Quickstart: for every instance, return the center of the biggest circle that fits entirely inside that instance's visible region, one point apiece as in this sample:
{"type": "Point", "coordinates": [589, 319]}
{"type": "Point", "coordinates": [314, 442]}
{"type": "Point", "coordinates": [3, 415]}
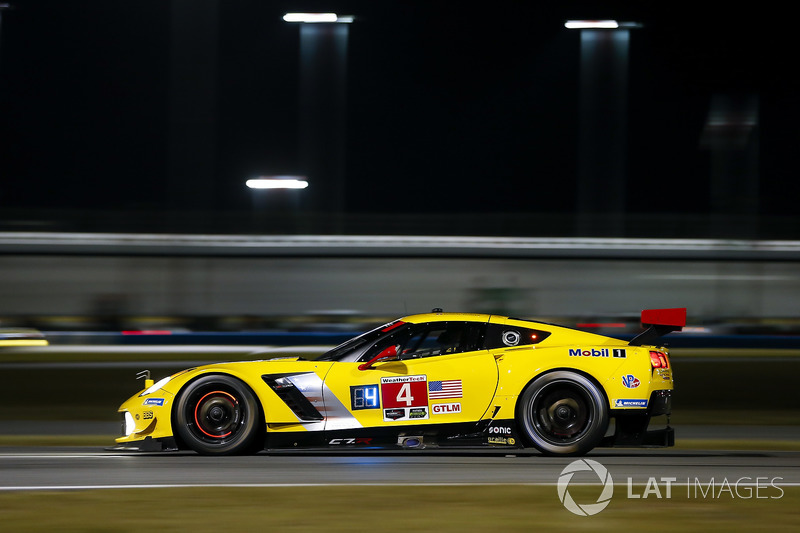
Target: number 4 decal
{"type": "Point", "coordinates": [405, 395]}
{"type": "Point", "coordinates": [404, 391]}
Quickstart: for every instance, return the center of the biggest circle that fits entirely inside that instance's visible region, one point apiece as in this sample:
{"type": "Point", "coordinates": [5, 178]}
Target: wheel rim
{"type": "Point", "coordinates": [217, 416]}
{"type": "Point", "coordinates": [561, 413]}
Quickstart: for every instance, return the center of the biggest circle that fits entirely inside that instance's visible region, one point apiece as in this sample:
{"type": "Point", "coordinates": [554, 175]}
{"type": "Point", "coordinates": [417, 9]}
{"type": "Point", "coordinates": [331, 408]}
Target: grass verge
{"type": "Point", "coordinates": [738, 445]}
{"type": "Point", "coordinates": [442, 509]}
{"type": "Point", "coordinates": [101, 441]}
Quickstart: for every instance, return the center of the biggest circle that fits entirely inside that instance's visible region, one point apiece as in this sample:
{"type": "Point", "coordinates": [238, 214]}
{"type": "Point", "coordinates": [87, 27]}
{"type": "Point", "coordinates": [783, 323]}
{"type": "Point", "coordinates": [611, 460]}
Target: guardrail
{"type": "Point", "coordinates": [392, 246]}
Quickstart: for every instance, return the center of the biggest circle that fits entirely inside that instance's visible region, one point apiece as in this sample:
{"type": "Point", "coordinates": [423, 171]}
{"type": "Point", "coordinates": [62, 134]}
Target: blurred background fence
{"type": "Point", "coordinates": [226, 283]}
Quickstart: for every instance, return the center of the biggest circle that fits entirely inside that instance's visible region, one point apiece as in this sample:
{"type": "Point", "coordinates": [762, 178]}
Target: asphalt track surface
{"type": "Point", "coordinates": [27, 469]}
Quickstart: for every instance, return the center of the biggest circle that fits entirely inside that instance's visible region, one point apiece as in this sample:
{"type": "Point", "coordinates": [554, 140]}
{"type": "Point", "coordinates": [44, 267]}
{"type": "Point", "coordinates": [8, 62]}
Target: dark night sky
{"type": "Point", "coordinates": [477, 106]}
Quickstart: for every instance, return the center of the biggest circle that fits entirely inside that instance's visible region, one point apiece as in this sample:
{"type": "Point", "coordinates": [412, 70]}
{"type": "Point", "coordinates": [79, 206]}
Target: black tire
{"type": "Point", "coordinates": [218, 415]}
{"type": "Point", "coordinates": [563, 413]}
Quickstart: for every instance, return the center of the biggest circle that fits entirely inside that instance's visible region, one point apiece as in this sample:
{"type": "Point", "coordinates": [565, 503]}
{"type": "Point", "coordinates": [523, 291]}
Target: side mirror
{"type": "Point", "coordinates": [389, 354]}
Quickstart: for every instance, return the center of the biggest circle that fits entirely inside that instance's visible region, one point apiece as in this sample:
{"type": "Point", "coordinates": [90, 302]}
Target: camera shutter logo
{"type": "Point", "coordinates": [579, 466]}
{"type": "Point", "coordinates": [511, 338]}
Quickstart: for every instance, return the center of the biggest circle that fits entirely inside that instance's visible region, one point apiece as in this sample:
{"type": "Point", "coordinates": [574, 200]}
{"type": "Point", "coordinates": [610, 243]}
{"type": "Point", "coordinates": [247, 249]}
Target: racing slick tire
{"type": "Point", "coordinates": [563, 413]}
{"type": "Point", "coordinates": [218, 415]}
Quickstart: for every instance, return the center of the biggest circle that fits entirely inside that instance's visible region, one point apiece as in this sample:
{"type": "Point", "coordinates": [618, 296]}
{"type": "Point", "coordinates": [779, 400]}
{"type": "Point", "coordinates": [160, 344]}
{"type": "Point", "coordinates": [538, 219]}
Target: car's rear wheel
{"type": "Point", "coordinates": [563, 413]}
{"type": "Point", "coordinates": [217, 415]}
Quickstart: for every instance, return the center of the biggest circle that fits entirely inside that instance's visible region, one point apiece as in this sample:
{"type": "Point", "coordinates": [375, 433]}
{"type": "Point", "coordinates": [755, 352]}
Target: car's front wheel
{"type": "Point", "coordinates": [217, 415]}
{"type": "Point", "coordinates": [563, 413]}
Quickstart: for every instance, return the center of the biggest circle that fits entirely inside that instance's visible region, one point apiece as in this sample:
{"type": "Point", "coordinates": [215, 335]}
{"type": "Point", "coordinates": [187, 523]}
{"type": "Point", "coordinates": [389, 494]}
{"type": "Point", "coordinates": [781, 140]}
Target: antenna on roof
{"type": "Point", "coordinates": [437, 310]}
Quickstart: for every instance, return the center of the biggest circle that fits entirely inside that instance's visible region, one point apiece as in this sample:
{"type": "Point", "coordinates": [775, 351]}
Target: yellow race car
{"type": "Point", "coordinates": [444, 380]}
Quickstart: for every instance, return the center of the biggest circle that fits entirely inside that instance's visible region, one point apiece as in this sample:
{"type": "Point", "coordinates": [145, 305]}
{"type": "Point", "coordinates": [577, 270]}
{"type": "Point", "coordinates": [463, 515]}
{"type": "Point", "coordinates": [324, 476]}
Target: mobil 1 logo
{"type": "Point", "coordinates": [618, 353]}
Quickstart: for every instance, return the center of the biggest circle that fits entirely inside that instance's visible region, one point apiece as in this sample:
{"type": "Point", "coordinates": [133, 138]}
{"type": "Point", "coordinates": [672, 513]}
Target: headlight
{"type": "Point", "coordinates": [155, 386]}
{"type": "Point", "coordinates": [282, 383]}
{"type": "Point", "coordinates": [130, 424]}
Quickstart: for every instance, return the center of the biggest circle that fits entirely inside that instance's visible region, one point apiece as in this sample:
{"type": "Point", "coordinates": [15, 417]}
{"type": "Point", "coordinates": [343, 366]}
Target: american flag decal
{"type": "Point", "coordinates": [450, 388]}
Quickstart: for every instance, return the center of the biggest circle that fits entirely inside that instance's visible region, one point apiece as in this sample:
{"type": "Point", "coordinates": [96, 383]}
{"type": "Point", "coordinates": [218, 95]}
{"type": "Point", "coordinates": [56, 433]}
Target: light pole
{"type": "Point", "coordinates": [277, 182]}
{"type": "Point", "coordinates": [270, 195]}
{"type": "Point", "coordinates": [193, 92]}
{"type": "Point", "coordinates": [602, 147]}
{"type": "Point", "coordinates": [4, 6]}
{"type": "Point", "coordinates": [323, 84]}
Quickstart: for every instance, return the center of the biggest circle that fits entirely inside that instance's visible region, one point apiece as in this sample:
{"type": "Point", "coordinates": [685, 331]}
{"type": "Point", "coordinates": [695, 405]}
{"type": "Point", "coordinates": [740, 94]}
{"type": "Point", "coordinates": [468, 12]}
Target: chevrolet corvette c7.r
{"type": "Point", "coordinates": [444, 380]}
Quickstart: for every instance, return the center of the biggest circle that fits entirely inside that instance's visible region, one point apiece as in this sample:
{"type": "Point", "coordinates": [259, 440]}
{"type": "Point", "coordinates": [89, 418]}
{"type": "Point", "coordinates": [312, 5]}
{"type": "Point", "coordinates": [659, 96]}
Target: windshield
{"type": "Point", "coordinates": [352, 349]}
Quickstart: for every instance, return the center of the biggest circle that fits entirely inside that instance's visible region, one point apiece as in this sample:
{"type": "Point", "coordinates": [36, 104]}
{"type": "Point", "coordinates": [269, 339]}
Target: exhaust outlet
{"type": "Point", "coordinates": [410, 443]}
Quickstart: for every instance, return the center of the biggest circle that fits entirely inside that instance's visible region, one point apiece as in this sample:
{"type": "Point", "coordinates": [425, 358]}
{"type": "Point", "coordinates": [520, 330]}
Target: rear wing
{"type": "Point", "coordinates": [21, 337]}
{"type": "Point", "coordinates": [659, 322]}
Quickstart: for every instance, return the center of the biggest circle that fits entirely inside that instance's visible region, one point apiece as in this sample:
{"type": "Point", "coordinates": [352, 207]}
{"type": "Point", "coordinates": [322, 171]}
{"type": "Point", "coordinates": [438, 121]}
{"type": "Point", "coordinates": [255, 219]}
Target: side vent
{"type": "Point", "coordinates": [286, 391]}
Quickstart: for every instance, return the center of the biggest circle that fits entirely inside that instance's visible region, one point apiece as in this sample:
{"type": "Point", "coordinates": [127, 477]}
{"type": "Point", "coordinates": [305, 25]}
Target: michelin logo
{"type": "Point", "coordinates": [154, 401]}
{"type": "Point", "coordinates": [630, 403]}
{"type": "Point", "coordinates": [603, 352]}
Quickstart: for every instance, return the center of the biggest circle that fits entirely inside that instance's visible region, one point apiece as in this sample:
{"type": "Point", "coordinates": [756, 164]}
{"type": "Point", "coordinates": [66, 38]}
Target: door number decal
{"type": "Point", "coordinates": [404, 398]}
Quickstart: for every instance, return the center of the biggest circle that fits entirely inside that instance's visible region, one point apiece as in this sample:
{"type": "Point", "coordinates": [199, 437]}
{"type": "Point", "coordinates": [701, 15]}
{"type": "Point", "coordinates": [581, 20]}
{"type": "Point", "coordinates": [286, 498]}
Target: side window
{"type": "Point", "coordinates": [438, 338]}
{"type": "Point", "coordinates": [435, 340]}
{"type": "Point", "coordinates": [398, 337]}
{"type": "Point", "coordinates": [505, 336]}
